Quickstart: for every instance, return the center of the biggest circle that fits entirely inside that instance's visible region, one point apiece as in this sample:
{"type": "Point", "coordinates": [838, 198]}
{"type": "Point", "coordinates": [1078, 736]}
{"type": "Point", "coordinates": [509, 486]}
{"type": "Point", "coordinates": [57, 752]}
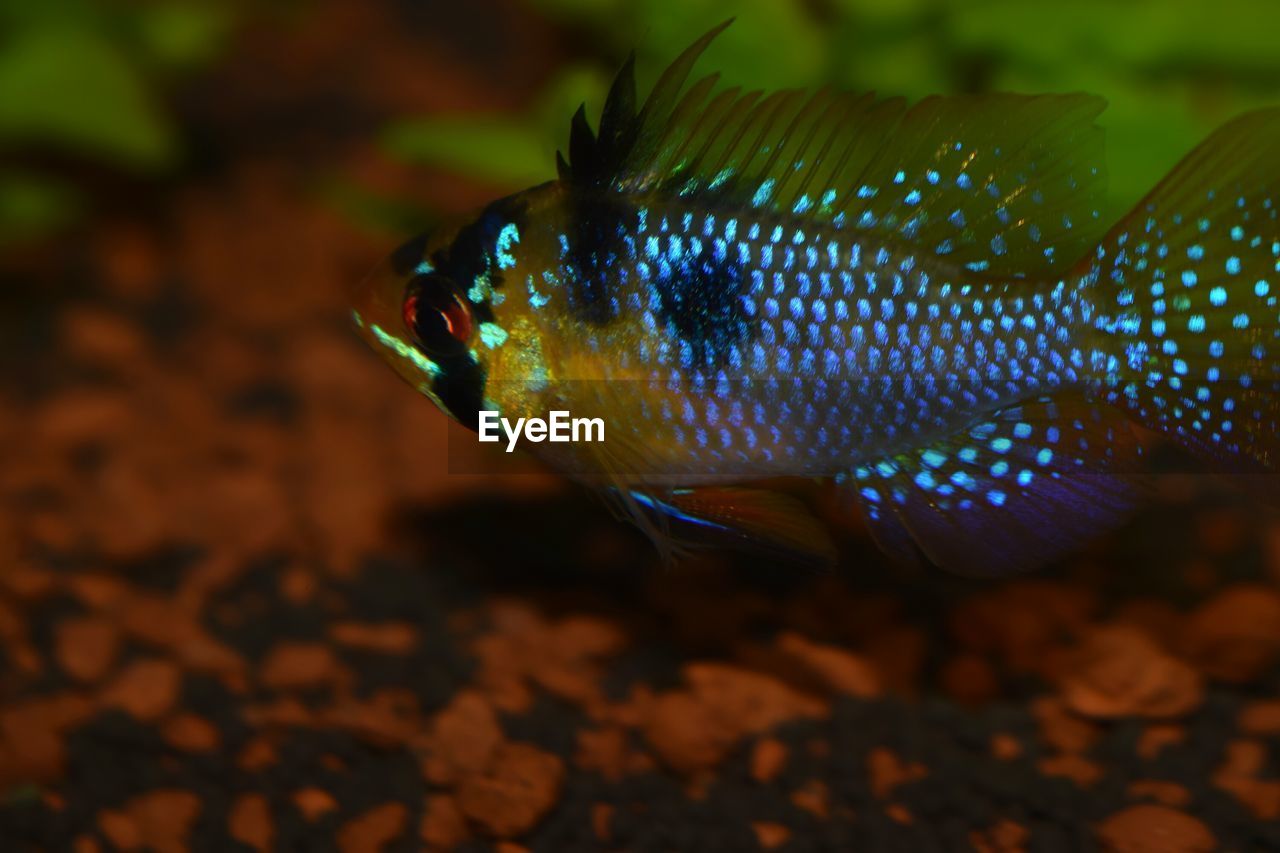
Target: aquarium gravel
{"type": "Point", "coordinates": [245, 605]}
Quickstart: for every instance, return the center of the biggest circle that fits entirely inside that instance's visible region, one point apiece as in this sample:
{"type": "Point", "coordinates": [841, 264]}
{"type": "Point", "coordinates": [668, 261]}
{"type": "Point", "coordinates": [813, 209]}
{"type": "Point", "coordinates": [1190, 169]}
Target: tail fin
{"type": "Point", "coordinates": [1184, 293]}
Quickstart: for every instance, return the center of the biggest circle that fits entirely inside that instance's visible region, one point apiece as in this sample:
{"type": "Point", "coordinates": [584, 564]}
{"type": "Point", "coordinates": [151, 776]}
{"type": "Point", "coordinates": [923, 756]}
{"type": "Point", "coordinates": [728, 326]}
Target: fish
{"type": "Point", "coordinates": [917, 303]}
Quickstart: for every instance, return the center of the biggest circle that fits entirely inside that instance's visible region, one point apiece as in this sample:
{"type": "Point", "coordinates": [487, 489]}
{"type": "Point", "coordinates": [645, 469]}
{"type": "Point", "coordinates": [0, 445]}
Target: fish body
{"type": "Point", "coordinates": [738, 345]}
{"type": "Point", "coordinates": [919, 302]}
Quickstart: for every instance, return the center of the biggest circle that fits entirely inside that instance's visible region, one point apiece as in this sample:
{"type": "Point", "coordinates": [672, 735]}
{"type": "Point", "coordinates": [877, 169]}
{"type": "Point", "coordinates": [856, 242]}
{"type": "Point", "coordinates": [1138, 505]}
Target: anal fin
{"type": "Point", "coordinates": [1008, 493]}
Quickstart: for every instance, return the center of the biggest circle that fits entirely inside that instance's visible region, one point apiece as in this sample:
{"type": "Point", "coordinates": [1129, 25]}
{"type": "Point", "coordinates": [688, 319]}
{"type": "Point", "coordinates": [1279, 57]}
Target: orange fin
{"type": "Point", "coordinates": [746, 519]}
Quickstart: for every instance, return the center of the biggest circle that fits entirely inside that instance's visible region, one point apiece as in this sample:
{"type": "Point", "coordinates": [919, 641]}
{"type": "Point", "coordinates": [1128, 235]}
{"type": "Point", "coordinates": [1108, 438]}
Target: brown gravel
{"type": "Point", "coordinates": [601, 814]}
{"type": "Point", "coordinates": [1154, 829]}
{"type": "Point", "coordinates": [770, 835]}
{"type": "Point", "coordinates": [86, 648]}
{"type": "Point", "coordinates": [814, 798]}
{"type": "Point", "coordinates": [257, 755]}
{"type": "Point", "coordinates": [1156, 737]}
{"type": "Point", "coordinates": [31, 736]}
{"type": "Point", "coordinates": [147, 689]}
{"type": "Point", "coordinates": [394, 639]}
{"type": "Point", "coordinates": [298, 665]}
{"type": "Point", "coordinates": [745, 702]}
{"type": "Point", "coordinates": [314, 803]}
{"type": "Point", "coordinates": [1077, 768]}
{"type": "Point", "coordinates": [1005, 837]}
{"type": "Point", "coordinates": [250, 822]}
{"type": "Point", "coordinates": [461, 740]}
{"type": "Point", "coordinates": [839, 670]}
{"type": "Point", "coordinates": [1159, 791]}
{"type": "Point", "coordinates": [443, 825]}
{"type": "Point", "coordinates": [1261, 717]}
{"type": "Point", "coordinates": [767, 759]}
{"type": "Point", "coordinates": [519, 787]}
{"type": "Point", "coordinates": [191, 733]}
{"type": "Point", "coordinates": [242, 593]}
{"type": "Point", "coordinates": [1239, 774]}
{"type": "Point", "coordinates": [159, 821]}
{"type": "Point", "coordinates": [1061, 729]}
{"type": "Point", "coordinates": [605, 751]}
{"type": "Point", "coordinates": [1235, 636]}
{"type": "Point", "coordinates": [1120, 672]}
{"type": "Point", "coordinates": [685, 734]}
{"type": "Point", "coordinates": [1005, 747]}
{"type": "Point", "coordinates": [888, 771]}
{"type": "Point", "coordinates": [373, 830]}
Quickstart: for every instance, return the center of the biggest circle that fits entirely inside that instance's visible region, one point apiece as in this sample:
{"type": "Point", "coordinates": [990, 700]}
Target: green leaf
{"type": "Point", "coordinates": [32, 205]}
{"type": "Point", "coordinates": [372, 210]}
{"type": "Point", "coordinates": [1052, 33]}
{"type": "Point", "coordinates": [77, 91]}
{"type": "Point", "coordinates": [1146, 137]}
{"type": "Point", "coordinates": [1172, 37]}
{"type": "Point", "coordinates": [504, 152]}
{"type": "Point", "coordinates": [578, 9]}
{"type": "Point", "coordinates": [23, 793]}
{"type": "Point", "coordinates": [771, 44]}
{"type": "Point", "coordinates": [560, 99]}
{"type": "Point", "coordinates": [16, 16]}
{"type": "Point", "coordinates": [904, 66]}
{"type": "Point", "coordinates": [882, 13]}
{"type": "Point", "coordinates": [1234, 35]}
{"type": "Point", "coordinates": [183, 34]}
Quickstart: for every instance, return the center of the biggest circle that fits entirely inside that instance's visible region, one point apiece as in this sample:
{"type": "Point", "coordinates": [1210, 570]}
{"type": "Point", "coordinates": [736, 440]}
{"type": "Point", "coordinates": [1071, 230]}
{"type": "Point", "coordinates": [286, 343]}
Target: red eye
{"type": "Point", "coordinates": [457, 318]}
{"type": "Point", "coordinates": [437, 317]}
{"type": "Point", "coordinates": [411, 309]}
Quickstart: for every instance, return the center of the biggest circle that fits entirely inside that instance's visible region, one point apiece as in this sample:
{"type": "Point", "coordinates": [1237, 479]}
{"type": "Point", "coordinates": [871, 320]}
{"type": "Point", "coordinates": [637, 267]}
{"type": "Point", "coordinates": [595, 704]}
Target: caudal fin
{"type": "Point", "coordinates": [1184, 293]}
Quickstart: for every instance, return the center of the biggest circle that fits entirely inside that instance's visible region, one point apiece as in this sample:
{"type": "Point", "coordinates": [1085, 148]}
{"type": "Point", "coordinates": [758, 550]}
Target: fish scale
{"type": "Point", "coordinates": [1201, 333]}
{"type": "Point", "coordinates": [919, 302]}
{"type": "Point", "coordinates": [891, 350]}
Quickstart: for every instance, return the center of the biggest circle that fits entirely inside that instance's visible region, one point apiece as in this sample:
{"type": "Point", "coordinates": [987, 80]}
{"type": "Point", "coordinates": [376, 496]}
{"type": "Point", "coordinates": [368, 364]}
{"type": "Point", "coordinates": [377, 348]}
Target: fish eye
{"type": "Point", "coordinates": [439, 321]}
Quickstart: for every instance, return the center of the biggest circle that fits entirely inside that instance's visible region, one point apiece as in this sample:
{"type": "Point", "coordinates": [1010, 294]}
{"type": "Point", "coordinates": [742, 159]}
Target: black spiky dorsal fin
{"type": "Point", "coordinates": [618, 118]}
{"type": "Point", "coordinates": [1001, 183]}
{"type": "Point", "coordinates": [584, 154]}
{"type": "Point", "coordinates": [596, 160]}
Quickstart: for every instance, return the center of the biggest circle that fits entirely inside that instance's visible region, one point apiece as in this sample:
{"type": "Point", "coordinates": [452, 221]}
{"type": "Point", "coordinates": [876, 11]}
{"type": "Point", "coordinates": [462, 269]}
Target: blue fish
{"type": "Point", "coordinates": [920, 302]}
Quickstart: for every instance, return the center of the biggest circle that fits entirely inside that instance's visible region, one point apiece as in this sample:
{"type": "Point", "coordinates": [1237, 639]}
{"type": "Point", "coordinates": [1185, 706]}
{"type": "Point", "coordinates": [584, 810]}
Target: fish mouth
{"type": "Point", "coordinates": [454, 381]}
{"type": "Point", "coordinates": [377, 309]}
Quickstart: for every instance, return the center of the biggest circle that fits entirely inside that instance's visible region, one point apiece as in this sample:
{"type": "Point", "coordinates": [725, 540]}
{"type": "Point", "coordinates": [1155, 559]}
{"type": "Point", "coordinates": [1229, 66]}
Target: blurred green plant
{"type": "Point", "coordinates": [22, 794]}
{"type": "Point", "coordinates": [1172, 69]}
{"type": "Point", "coordinates": [84, 79]}
{"type": "Point", "coordinates": [509, 151]}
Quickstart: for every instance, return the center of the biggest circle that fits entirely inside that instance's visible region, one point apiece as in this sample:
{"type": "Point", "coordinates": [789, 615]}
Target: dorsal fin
{"type": "Point", "coordinates": [1005, 183]}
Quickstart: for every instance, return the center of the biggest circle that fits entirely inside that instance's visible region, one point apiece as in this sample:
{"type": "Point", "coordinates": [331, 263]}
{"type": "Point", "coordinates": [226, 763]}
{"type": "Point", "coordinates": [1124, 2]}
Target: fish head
{"type": "Point", "coordinates": [449, 311]}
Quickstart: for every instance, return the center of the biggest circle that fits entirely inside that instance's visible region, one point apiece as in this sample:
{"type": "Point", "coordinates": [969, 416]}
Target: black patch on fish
{"type": "Point", "coordinates": [406, 258]}
{"type": "Point", "coordinates": [460, 388]}
{"type": "Point", "coordinates": [471, 253]}
{"type": "Point", "coordinates": [595, 254]}
{"type": "Point", "coordinates": [701, 300]}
